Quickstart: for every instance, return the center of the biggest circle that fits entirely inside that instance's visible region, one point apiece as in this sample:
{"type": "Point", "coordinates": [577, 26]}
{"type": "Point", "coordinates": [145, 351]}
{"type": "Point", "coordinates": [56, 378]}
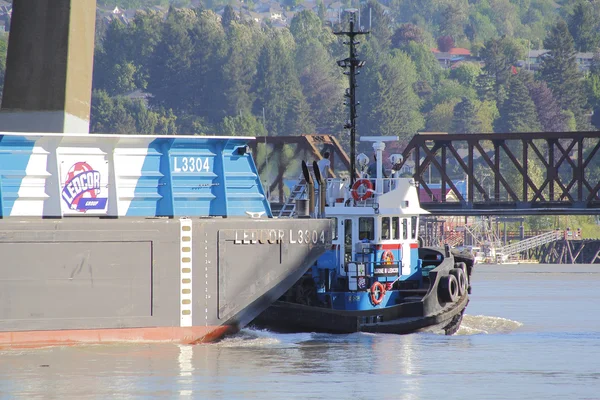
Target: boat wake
{"type": "Point", "coordinates": [250, 337]}
{"type": "Point", "coordinates": [483, 324]}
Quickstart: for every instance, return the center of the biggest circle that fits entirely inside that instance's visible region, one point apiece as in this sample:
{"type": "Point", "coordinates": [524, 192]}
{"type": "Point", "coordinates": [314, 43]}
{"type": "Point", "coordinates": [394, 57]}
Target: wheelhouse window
{"type": "Point", "coordinates": [366, 228]}
{"type": "Point", "coordinates": [413, 227]}
{"type": "Point", "coordinates": [404, 228]}
{"type": "Point", "coordinates": [395, 228]}
{"type": "Point", "coordinates": [385, 228]}
{"type": "Point", "coordinates": [335, 228]}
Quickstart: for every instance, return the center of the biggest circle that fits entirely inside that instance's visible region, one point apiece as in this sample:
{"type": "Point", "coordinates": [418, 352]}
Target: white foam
{"type": "Point", "coordinates": [484, 324]}
{"type": "Point", "coordinates": [250, 337]}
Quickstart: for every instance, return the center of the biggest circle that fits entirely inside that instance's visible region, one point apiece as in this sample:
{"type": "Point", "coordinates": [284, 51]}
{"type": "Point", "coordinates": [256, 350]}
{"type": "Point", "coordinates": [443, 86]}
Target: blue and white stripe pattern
{"type": "Point", "coordinates": [53, 175]}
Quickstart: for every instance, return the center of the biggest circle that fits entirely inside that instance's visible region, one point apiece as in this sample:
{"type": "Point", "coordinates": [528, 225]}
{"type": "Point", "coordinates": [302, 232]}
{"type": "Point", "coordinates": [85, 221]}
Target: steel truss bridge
{"type": "Point", "coordinates": [507, 174]}
{"type": "Point", "coordinates": [544, 173]}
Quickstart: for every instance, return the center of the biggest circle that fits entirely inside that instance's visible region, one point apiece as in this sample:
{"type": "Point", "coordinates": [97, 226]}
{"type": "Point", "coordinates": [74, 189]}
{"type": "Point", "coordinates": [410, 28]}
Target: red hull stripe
{"type": "Point", "coordinates": [395, 246]}
{"type": "Point", "coordinates": [187, 335]}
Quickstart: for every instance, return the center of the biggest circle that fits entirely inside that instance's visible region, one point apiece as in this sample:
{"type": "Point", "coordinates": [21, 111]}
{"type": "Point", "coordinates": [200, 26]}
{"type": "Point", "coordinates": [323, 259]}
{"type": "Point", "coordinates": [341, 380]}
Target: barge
{"type": "Point", "coordinates": [110, 238]}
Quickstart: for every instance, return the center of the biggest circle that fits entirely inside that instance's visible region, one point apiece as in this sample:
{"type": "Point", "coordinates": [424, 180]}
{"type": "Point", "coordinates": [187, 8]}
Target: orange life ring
{"type": "Point", "coordinates": [377, 293]}
{"type": "Point", "coordinates": [368, 188]}
{"type": "Point", "coordinates": [387, 257]}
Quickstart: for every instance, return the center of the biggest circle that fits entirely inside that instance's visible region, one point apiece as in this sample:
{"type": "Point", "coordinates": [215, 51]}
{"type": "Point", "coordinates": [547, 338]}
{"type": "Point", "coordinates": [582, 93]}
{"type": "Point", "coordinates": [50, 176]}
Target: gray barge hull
{"type": "Point", "coordinates": [184, 280]}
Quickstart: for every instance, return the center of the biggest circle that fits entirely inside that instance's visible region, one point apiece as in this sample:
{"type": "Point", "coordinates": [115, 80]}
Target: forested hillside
{"type": "Point", "coordinates": [201, 73]}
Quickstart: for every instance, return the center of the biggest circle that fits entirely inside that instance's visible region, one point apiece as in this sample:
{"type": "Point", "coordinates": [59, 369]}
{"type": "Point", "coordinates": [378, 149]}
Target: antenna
{"type": "Point", "coordinates": [353, 64]}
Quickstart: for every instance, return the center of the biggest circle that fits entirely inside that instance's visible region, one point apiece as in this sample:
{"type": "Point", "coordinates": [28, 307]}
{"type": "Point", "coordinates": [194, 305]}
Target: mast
{"type": "Point", "coordinates": [353, 64]}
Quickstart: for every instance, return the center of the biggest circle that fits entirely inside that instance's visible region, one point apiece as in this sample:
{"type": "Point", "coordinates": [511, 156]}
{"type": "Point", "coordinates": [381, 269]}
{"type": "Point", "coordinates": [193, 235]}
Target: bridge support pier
{"type": "Point", "coordinates": [48, 81]}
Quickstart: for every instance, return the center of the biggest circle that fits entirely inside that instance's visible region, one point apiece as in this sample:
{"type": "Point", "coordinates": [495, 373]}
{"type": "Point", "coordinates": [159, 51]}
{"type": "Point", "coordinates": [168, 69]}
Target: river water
{"type": "Point", "coordinates": [531, 332]}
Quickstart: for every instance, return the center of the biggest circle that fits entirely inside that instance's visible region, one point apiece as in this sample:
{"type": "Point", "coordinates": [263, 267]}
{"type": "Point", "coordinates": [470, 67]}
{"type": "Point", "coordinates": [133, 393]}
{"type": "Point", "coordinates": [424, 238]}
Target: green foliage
{"type": "Point", "coordinates": [517, 113]}
{"type": "Point", "coordinates": [539, 223]}
{"type": "Point", "coordinates": [127, 116]}
{"type": "Point", "coordinates": [465, 118]}
{"type": "Point", "coordinates": [452, 19]}
{"type": "Point", "coordinates": [391, 105]}
{"type": "Point", "coordinates": [451, 89]}
{"type": "Point", "coordinates": [278, 91]}
{"type": "Point", "coordinates": [466, 73]}
{"type": "Point", "coordinates": [440, 118]}
{"type": "Point", "coordinates": [428, 68]}
{"type": "Point", "coordinates": [559, 69]}
{"type": "Point", "coordinates": [487, 113]}
{"type": "Point", "coordinates": [583, 27]}
{"type": "Point", "coordinates": [217, 75]}
{"type": "Point", "coordinates": [499, 56]}
{"type": "Point", "coordinates": [136, 4]}
{"type": "Point", "coordinates": [3, 50]}
{"type": "Point", "coordinates": [245, 124]}
{"type": "Point", "coordinates": [322, 85]}
{"type": "Point", "coordinates": [592, 88]}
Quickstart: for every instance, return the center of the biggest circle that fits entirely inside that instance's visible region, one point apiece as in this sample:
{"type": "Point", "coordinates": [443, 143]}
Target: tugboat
{"type": "Point", "coordinates": [375, 278]}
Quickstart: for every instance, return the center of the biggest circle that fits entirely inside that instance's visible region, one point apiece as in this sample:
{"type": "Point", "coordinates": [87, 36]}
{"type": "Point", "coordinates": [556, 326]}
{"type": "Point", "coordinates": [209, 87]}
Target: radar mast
{"type": "Point", "coordinates": [352, 63]}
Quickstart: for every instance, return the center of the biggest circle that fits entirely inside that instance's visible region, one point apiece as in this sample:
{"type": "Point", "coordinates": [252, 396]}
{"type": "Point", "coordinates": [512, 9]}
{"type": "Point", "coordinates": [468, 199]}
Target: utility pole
{"type": "Point", "coordinates": [353, 64]}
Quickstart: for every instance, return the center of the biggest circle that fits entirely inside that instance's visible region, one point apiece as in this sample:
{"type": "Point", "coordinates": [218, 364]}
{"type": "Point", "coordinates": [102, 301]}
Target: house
{"type": "Point", "coordinates": [533, 61]}
{"type": "Point", "coordinates": [437, 195]}
{"type": "Point", "coordinates": [448, 58]}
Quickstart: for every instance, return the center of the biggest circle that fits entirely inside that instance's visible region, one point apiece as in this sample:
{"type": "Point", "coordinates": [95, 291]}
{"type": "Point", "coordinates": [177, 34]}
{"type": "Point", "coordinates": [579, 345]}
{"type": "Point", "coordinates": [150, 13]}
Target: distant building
{"type": "Point", "coordinates": [534, 60]}
{"type": "Point", "coordinates": [437, 195]}
{"type": "Point", "coordinates": [447, 59]}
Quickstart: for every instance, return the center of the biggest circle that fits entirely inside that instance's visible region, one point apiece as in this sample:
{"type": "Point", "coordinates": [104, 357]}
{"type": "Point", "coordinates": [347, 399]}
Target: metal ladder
{"type": "Point", "coordinates": [289, 208]}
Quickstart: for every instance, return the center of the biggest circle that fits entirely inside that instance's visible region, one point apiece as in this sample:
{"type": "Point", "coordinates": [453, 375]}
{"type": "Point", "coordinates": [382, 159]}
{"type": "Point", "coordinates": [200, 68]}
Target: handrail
{"type": "Point", "coordinates": [530, 243]}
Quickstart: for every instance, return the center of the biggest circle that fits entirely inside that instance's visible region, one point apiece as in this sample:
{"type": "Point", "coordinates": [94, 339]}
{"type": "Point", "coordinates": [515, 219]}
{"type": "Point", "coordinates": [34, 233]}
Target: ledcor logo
{"type": "Point", "coordinates": [82, 188]}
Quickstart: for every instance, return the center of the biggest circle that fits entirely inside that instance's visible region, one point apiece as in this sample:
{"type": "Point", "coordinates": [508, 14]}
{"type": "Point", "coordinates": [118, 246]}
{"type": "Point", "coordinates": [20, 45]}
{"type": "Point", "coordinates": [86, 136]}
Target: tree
{"type": "Point", "coordinates": [465, 118]}
{"type": "Point", "coordinates": [450, 89]}
{"type": "Point", "coordinates": [381, 23]}
{"type": "Point", "coordinates": [596, 118]}
{"type": "Point", "coordinates": [322, 85]}
{"type": "Point", "coordinates": [499, 56]}
{"type": "Point", "coordinates": [405, 34]}
{"type": "Point", "coordinates": [445, 43]}
{"type": "Point", "coordinates": [583, 27]}
{"type": "Point", "coordinates": [439, 119]}
{"type": "Point", "coordinates": [453, 18]}
{"type": "Point", "coordinates": [487, 113]}
{"type": "Point", "coordinates": [170, 69]}
{"type": "Point", "coordinates": [125, 116]}
{"type": "Point", "coordinates": [245, 124]}
{"type": "Point", "coordinates": [466, 73]}
{"type": "Point", "coordinates": [549, 113]}
{"type": "Point", "coordinates": [428, 67]}
{"type": "Point", "coordinates": [278, 91]}
{"type": "Point", "coordinates": [228, 16]}
{"type": "Point", "coordinates": [517, 113]}
{"type": "Point", "coordinates": [306, 26]}
{"type": "Point", "coordinates": [391, 106]}
{"type": "Point", "coordinates": [484, 85]}
{"type": "Point", "coordinates": [239, 67]}
{"type": "Point", "coordinates": [145, 32]}
{"type": "Point", "coordinates": [559, 69]}
{"type": "Point", "coordinates": [113, 70]}
{"type": "Point", "coordinates": [3, 49]}
{"type": "Point", "coordinates": [321, 10]}
{"type": "Point", "coordinates": [592, 83]}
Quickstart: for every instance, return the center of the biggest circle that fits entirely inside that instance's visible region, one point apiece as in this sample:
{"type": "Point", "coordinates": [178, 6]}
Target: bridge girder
{"type": "Point", "coordinates": [537, 173]}
{"type": "Point", "coordinates": [510, 174]}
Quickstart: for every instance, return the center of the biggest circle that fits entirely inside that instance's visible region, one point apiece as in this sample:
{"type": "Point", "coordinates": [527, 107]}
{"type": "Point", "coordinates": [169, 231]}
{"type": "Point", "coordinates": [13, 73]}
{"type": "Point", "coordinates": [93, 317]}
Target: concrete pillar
{"type": "Point", "coordinates": [48, 82]}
